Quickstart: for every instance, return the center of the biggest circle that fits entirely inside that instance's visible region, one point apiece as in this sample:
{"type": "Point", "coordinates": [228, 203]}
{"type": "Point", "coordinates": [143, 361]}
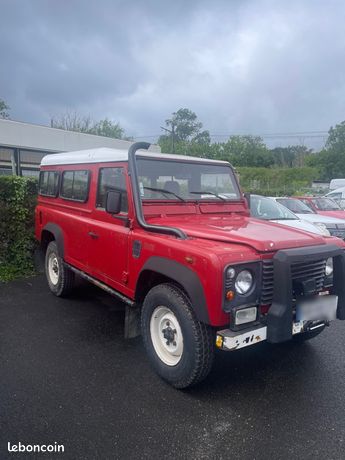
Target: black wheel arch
{"type": "Point", "coordinates": [170, 270]}
{"type": "Point", "coordinates": [57, 233]}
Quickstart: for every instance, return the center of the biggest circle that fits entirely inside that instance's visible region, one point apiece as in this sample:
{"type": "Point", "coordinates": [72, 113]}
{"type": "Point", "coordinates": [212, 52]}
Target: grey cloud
{"type": "Point", "coordinates": [243, 66]}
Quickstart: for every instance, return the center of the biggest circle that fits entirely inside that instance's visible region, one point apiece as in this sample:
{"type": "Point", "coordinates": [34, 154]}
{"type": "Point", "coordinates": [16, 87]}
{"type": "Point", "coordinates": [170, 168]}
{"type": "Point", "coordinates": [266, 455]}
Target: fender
{"type": "Point", "coordinates": [186, 278]}
{"type": "Point", "coordinates": [58, 235]}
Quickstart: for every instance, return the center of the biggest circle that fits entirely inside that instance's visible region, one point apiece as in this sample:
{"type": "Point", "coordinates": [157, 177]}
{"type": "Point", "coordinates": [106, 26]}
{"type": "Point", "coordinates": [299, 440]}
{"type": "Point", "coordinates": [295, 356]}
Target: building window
{"type": "Point", "coordinates": [111, 179]}
{"type": "Point", "coordinates": [48, 183]}
{"type": "Point", "coordinates": [75, 185]}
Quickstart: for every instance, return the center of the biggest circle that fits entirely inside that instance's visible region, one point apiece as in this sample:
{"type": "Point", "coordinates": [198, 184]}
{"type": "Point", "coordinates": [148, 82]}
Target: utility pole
{"type": "Point", "coordinates": [172, 133]}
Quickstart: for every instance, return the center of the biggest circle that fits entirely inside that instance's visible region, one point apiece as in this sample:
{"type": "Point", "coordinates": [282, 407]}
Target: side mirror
{"type": "Point", "coordinates": [113, 202]}
{"type": "Point", "coordinates": [247, 197]}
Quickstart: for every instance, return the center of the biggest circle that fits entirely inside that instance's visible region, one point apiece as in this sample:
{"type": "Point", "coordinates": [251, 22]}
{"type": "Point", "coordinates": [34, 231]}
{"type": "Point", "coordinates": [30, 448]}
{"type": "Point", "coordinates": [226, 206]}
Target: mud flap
{"type": "Point", "coordinates": [132, 322]}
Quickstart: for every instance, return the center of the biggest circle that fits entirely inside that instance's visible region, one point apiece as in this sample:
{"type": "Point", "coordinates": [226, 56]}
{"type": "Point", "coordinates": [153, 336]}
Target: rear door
{"type": "Point", "coordinates": [108, 234]}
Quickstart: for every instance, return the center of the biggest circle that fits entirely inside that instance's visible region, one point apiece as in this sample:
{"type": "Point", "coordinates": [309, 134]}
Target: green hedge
{"type": "Point", "coordinates": [17, 204]}
{"type": "Point", "coordinates": [276, 181]}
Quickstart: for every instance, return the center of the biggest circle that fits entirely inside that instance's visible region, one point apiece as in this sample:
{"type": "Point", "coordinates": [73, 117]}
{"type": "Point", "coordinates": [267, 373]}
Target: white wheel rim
{"type": "Point", "coordinates": [166, 336]}
{"type": "Point", "coordinates": [53, 268]}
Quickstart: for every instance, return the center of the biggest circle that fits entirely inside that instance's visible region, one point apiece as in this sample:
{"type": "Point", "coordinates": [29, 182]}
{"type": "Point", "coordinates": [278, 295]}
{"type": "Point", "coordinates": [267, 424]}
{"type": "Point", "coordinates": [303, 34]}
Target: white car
{"type": "Point", "coordinates": [267, 209]}
{"type": "Point", "coordinates": [338, 195]}
{"type": "Point", "coordinates": [336, 227]}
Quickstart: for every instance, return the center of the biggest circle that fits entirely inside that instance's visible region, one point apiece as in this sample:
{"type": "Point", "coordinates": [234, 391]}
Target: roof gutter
{"type": "Point", "coordinates": [133, 172]}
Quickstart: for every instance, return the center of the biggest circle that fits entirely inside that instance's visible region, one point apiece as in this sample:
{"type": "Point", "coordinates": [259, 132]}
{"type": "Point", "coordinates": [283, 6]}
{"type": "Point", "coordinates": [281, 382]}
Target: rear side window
{"type": "Point", "coordinates": [49, 183]}
{"type": "Point", "coordinates": [75, 185]}
{"type": "Point", "coordinates": [111, 179]}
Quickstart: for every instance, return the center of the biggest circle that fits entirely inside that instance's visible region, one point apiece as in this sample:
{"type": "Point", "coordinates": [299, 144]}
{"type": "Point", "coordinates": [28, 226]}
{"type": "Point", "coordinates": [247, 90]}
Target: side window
{"type": "Point", "coordinates": [75, 185]}
{"type": "Point", "coordinates": [111, 179]}
{"type": "Point", "coordinates": [335, 196]}
{"type": "Point", "coordinates": [48, 183]}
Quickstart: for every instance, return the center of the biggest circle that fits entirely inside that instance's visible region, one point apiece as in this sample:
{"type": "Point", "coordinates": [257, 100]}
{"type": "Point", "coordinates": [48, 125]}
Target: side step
{"type": "Point", "coordinates": [132, 316]}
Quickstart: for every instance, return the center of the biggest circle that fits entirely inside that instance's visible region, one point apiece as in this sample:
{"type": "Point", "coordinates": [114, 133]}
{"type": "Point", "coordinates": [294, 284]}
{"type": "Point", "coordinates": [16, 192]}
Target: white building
{"type": "Point", "coordinates": [22, 145]}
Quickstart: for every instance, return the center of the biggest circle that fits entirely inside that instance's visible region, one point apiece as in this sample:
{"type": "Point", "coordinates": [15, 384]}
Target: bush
{"type": "Point", "coordinates": [17, 204]}
{"type": "Point", "coordinates": [276, 181]}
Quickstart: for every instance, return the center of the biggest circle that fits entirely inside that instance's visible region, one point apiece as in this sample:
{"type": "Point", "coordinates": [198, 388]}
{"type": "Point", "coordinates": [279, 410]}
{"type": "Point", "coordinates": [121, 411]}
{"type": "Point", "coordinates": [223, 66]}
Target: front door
{"type": "Point", "coordinates": [108, 234]}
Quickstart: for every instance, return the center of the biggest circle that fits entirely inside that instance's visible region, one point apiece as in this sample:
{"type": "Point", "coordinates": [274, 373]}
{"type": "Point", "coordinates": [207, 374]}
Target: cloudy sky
{"type": "Point", "coordinates": [244, 66]}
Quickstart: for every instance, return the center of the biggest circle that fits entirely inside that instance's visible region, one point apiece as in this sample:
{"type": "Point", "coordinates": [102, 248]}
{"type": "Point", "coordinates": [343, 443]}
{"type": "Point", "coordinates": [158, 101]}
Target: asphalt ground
{"type": "Point", "coordinates": [68, 376]}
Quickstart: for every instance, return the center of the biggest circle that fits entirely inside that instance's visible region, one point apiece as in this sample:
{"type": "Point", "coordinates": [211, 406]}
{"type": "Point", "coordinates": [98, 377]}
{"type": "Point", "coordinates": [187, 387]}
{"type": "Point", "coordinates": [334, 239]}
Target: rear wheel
{"type": "Point", "coordinates": [60, 278]}
{"type": "Point", "coordinates": [180, 348]}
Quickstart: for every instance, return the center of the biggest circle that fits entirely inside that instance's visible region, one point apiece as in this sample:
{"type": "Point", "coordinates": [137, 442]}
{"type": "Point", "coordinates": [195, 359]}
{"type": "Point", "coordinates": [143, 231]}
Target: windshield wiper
{"type": "Point", "coordinates": [165, 192]}
{"type": "Point", "coordinates": [208, 193]}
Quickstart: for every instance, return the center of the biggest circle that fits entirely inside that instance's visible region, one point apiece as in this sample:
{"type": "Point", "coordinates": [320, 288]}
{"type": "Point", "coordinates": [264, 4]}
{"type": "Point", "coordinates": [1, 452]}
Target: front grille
{"type": "Point", "coordinates": [300, 271]}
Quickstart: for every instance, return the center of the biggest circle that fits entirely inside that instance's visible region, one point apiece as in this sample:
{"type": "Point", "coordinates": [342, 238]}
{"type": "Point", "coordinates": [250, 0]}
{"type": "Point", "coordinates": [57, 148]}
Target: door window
{"type": "Point", "coordinates": [111, 179]}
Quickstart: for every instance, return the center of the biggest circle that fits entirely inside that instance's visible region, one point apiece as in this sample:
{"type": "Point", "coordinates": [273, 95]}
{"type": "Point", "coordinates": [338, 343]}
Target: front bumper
{"type": "Point", "coordinates": [280, 325]}
{"type": "Point", "coordinates": [280, 314]}
{"type": "Point", "coordinates": [229, 340]}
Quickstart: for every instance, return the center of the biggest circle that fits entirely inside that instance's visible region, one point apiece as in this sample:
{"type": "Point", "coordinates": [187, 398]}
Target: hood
{"type": "Point", "coordinates": [261, 235]}
{"type": "Point", "coordinates": [315, 218]}
{"type": "Point", "coordinates": [300, 224]}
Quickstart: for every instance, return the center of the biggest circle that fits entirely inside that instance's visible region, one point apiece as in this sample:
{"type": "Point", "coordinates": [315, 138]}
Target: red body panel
{"type": "Point", "coordinates": [219, 234]}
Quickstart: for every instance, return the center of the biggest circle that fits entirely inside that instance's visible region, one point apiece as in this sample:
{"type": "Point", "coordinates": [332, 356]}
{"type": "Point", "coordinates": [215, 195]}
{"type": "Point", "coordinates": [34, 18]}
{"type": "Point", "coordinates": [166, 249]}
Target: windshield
{"type": "Point", "coordinates": [170, 180]}
{"type": "Point", "coordinates": [325, 204]}
{"type": "Point", "coordinates": [268, 209]}
{"type": "Point", "coordinates": [296, 206]}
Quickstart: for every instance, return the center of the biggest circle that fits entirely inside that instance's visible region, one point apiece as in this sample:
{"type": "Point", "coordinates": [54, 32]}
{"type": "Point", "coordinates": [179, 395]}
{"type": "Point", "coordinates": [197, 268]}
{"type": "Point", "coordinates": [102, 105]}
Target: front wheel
{"type": "Point", "coordinates": [180, 348]}
{"type": "Point", "coordinates": [60, 278]}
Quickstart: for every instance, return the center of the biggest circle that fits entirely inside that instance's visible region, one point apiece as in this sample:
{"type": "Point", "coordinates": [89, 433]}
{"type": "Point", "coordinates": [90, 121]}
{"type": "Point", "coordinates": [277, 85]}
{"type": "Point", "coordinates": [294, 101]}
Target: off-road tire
{"type": "Point", "coordinates": [198, 338]}
{"type": "Point", "coordinates": [65, 277]}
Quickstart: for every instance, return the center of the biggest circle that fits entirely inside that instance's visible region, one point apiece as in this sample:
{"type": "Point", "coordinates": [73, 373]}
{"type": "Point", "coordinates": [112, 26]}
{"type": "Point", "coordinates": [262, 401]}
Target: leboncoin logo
{"type": "Point", "coordinates": [44, 448]}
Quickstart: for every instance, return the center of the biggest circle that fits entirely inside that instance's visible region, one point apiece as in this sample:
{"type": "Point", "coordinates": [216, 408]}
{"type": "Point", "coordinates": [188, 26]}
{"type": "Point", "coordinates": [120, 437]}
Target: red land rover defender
{"type": "Point", "coordinates": [172, 238]}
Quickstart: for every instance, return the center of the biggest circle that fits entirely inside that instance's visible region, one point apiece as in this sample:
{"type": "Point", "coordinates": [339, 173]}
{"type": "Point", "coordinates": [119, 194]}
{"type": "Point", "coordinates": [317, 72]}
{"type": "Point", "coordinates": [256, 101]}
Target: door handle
{"type": "Point", "coordinates": [93, 235]}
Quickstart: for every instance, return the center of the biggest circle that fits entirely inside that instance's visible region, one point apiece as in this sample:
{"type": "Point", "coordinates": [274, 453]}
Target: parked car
{"type": "Point", "coordinates": [336, 227]}
{"type": "Point", "coordinates": [336, 183]}
{"type": "Point", "coordinates": [171, 236]}
{"type": "Point", "coordinates": [338, 196]}
{"type": "Point", "coordinates": [267, 209]}
{"type": "Point", "coordinates": [324, 206]}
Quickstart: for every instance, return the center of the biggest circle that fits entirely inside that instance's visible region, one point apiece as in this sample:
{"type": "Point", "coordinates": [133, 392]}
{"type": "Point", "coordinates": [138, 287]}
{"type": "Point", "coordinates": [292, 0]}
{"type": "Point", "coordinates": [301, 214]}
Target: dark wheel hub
{"type": "Point", "coordinates": [169, 334]}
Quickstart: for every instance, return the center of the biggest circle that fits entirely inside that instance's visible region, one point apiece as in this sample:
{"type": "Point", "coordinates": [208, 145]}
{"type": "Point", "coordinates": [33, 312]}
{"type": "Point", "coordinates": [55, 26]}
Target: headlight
{"type": "Point", "coordinates": [323, 229]}
{"type": "Point", "coordinates": [244, 282]}
{"type": "Point", "coordinates": [329, 266]}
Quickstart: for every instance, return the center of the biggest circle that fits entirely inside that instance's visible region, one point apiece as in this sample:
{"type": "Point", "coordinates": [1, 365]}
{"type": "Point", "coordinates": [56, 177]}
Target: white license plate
{"type": "Point", "coordinates": [322, 307]}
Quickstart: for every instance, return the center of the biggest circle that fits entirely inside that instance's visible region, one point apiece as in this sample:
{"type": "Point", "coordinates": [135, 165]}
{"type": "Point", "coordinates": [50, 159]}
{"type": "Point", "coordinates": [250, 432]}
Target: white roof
{"type": "Point", "coordinates": [107, 155]}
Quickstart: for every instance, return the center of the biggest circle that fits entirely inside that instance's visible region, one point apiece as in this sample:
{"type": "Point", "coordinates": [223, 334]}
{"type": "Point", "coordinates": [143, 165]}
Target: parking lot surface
{"type": "Point", "coordinates": [68, 376]}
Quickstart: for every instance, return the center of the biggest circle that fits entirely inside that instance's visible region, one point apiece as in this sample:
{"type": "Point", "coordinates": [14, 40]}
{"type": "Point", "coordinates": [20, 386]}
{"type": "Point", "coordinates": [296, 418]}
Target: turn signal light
{"type": "Point", "coordinates": [230, 295]}
{"type": "Point", "coordinates": [219, 341]}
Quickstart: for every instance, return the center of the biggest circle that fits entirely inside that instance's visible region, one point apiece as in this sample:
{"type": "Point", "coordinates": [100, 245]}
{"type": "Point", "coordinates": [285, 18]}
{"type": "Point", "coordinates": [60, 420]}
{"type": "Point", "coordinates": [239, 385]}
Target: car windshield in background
{"type": "Point", "coordinates": [296, 206]}
{"type": "Point", "coordinates": [268, 209]}
{"type": "Point", "coordinates": [182, 181]}
{"type": "Point", "coordinates": [325, 204]}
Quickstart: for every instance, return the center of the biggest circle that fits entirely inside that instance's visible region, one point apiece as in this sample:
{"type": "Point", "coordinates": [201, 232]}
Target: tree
{"type": "Point", "coordinates": [4, 109]}
{"type": "Point", "coordinates": [107, 128]}
{"type": "Point", "coordinates": [246, 151]}
{"type": "Point", "coordinates": [290, 156]}
{"type": "Point", "coordinates": [185, 130]}
{"type": "Point", "coordinates": [331, 160]}
{"type": "Point", "coordinates": [72, 121]}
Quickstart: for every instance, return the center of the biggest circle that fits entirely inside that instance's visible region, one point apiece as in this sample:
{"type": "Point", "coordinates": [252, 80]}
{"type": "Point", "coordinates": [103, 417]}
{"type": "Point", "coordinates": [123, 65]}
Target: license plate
{"type": "Point", "coordinates": [322, 307]}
